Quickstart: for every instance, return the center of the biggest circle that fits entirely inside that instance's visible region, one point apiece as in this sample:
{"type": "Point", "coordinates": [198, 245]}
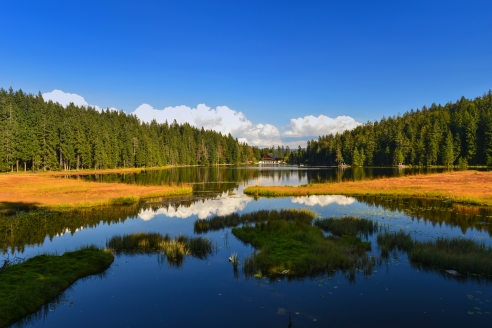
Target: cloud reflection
{"type": "Point", "coordinates": [323, 200]}
{"type": "Point", "coordinates": [222, 205]}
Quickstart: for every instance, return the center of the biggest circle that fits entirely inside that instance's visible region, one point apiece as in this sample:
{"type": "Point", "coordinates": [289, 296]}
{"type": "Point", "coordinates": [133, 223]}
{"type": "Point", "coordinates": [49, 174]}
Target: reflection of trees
{"type": "Point", "coordinates": [27, 229]}
{"type": "Point", "coordinates": [31, 228]}
{"type": "Point", "coordinates": [437, 212]}
{"type": "Point", "coordinates": [226, 178]}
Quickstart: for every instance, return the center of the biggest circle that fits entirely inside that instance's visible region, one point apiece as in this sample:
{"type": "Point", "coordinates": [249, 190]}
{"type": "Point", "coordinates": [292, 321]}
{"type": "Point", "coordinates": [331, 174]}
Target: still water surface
{"type": "Point", "coordinates": [140, 291]}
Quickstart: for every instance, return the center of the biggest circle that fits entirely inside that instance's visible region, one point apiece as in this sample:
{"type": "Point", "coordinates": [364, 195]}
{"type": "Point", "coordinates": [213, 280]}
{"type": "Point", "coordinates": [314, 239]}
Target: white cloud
{"type": "Point", "coordinates": [311, 126]}
{"type": "Point", "coordinates": [221, 119]}
{"type": "Point", "coordinates": [222, 205]}
{"type": "Point", "coordinates": [323, 200]}
{"type": "Point", "coordinates": [65, 98]}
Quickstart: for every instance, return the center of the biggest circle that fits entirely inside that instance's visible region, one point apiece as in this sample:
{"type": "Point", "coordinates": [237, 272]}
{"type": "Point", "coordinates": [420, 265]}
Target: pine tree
{"type": "Point", "coordinates": [448, 158]}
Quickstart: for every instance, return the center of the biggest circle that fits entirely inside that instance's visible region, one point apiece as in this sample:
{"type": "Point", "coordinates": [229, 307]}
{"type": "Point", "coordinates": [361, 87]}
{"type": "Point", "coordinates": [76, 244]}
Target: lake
{"type": "Point", "coordinates": [142, 290]}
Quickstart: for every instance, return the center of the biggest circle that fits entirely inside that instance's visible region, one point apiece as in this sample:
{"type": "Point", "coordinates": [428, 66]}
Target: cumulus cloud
{"type": "Point", "coordinates": [323, 200]}
{"type": "Point", "coordinates": [65, 98]}
{"type": "Point", "coordinates": [221, 119]}
{"type": "Point", "coordinates": [222, 205]}
{"type": "Point", "coordinates": [316, 126]}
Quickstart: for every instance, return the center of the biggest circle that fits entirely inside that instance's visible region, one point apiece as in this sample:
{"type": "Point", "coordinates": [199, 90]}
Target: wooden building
{"type": "Point", "coordinates": [271, 159]}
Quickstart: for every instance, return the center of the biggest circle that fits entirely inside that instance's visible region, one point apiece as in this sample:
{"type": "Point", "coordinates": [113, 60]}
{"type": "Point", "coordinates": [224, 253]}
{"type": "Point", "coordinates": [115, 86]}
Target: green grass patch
{"type": "Point", "coordinates": [27, 286]}
{"type": "Point", "coordinates": [297, 248]}
{"type": "Point", "coordinates": [124, 200]}
{"type": "Point", "coordinates": [172, 250]}
{"type": "Point", "coordinates": [348, 225]}
{"type": "Point", "coordinates": [233, 220]}
{"type": "Point", "coordinates": [462, 255]}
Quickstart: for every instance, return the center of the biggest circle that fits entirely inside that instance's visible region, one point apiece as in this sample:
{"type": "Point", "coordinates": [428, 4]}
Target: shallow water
{"type": "Point", "coordinates": [141, 291]}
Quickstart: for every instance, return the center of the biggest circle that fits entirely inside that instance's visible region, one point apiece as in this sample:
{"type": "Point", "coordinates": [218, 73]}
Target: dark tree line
{"type": "Point", "coordinates": [40, 135]}
{"type": "Point", "coordinates": [457, 133]}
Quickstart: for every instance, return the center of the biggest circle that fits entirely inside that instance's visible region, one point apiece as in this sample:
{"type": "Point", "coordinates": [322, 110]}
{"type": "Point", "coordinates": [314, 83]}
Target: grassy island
{"type": "Point", "coordinates": [468, 187]}
{"type": "Point", "coordinates": [296, 248]}
{"type": "Point", "coordinates": [28, 285]}
{"type": "Point", "coordinates": [45, 191]}
{"type": "Point", "coordinates": [289, 244]}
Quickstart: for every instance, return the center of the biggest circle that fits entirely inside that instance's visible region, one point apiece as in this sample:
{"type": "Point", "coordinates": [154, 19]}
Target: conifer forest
{"type": "Point", "coordinates": [457, 133]}
{"type": "Point", "coordinates": [40, 135]}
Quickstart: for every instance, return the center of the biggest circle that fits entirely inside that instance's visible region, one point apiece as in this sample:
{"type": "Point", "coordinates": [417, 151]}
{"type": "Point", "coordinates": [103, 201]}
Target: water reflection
{"type": "Point", "coordinates": [224, 178]}
{"type": "Point", "coordinates": [222, 205]}
{"type": "Point", "coordinates": [135, 286]}
{"type": "Point", "coordinates": [436, 212]}
{"type": "Point", "coordinates": [323, 200]}
{"type": "Point", "coordinates": [32, 228]}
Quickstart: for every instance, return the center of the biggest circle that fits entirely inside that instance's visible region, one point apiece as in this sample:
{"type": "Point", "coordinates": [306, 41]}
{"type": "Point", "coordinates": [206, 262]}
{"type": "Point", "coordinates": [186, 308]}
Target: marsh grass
{"type": "Point", "coordinates": [171, 250]}
{"type": "Point", "coordinates": [348, 225]}
{"type": "Point", "coordinates": [235, 219]}
{"type": "Point", "coordinates": [462, 255]}
{"type": "Point", "coordinates": [27, 286]}
{"type": "Point", "coordinates": [235, 264]}
{"type": "Point", "coordinates": [123, 200]}
{"type": "Point", "coordinates": [296, 248]}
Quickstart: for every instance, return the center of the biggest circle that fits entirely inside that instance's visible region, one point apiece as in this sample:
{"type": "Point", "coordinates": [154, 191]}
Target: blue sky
{"type": "Point", "coordinates": [272, 61]}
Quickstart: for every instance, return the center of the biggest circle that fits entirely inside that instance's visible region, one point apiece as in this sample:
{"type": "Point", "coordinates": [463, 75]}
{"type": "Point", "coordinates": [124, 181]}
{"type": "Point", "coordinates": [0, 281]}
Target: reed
{"type": "Point", "coordinates": [462, 255]}
{"type": "Point", "coordinates": [171, 250]}
{"type": "Point", "coordinates": [28, 285]}
{"type": "Point", "coordinates": [235, 264]}
{"type": "Point", "coordinates": [348, 225]}
{"type": "Point", "coordinates": [399, 241]}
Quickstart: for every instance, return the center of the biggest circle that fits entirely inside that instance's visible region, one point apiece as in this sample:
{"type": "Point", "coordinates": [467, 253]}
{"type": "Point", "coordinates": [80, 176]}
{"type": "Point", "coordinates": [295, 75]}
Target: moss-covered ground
{"type": "Point", "coordinates": [27, 286]}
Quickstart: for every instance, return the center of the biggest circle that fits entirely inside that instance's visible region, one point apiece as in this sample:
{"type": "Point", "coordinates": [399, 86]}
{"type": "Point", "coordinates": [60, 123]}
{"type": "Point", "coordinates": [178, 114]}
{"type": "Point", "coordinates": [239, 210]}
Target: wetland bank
{"type": "Point", "coordinates": [147, 289]}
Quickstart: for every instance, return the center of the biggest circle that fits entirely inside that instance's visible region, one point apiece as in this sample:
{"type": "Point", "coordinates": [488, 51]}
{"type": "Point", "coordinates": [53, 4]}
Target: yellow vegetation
{"type": "Point", "coordinates": [470, 187]}
{"type": "Point", "coordinates": [41, 190]}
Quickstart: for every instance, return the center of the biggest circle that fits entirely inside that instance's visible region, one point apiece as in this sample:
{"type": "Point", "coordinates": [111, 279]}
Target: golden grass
{"type": "Point", "coordinates": [469, 187]}
{"type": "Point", "coordinates": [44, 191]}
{"type": "Point", "coordinates": [93, 171]}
